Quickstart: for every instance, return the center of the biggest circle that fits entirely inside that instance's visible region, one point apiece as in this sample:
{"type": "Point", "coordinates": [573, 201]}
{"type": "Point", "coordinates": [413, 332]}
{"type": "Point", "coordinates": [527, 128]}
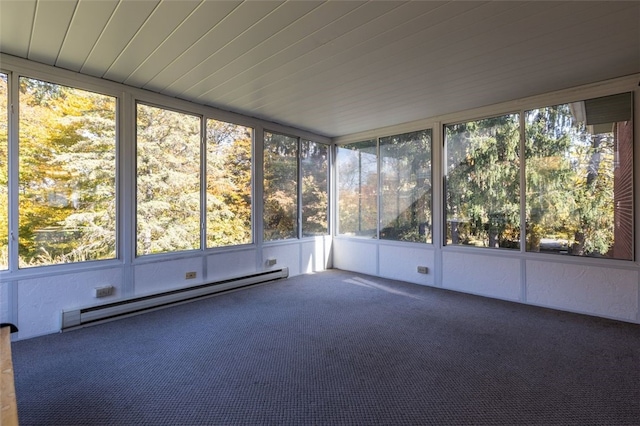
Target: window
{"type": "Point", "coordinates": [229, 183]}
{"type": "Point", "coordinates": [405, 176]}
{"type": "Point", "coordinates": [4, 173]}
{"type": "Point", "coordinates": [67, 169]}
{"type": "Point", "coordinates": [579, 174]}
{"type": "Point", "coordinates": [482, 182]}
{"type": "Point", "coordinates": [314, 167]}
{"type": "Point", "coordinates": [280, 187]}
{"type": "Point", "coordinates": [168, 180]}
{"type": "Point", "coordinates": [357, 189]}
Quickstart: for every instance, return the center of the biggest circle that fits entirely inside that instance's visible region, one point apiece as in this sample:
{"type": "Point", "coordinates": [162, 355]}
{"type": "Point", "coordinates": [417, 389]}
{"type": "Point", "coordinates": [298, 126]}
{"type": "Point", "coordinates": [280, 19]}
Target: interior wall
{"type": "Point", "coordinates": [34, 298]}
{"type": "Point", "coordinates": [593, 286]}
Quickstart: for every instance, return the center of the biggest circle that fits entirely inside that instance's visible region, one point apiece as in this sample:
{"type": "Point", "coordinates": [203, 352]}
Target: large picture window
{"type": "Point", "coordinates": [168, 180]}
{"type": "Point", "coordinates": [482, 182]}
{"type": "Point", "coordinates": [67, 170]}
{"type": "Point", "coordinates": [405, 176]}
{"type": "Point", "coordinates": [4, 173]}
{"type": "Point", "coordinates": [358, 189]}
{"type": "Point", "coordinates": [579, 174]}
{"type": "Point", "coordinates": [229, 184]}
{"type": "Point", "coordinates": [314, 165]}
{"type": "Point", "coordinates": [280, 187]}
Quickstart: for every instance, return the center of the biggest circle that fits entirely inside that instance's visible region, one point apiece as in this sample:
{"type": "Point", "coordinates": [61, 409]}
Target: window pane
{"type": "Point", "coordinates": [483, 182]}
{"type": "Point", "coordinates": [579, 197]}
{"type": "Point", "coordinates": [357, 189]}
{"type": "Point", "coordinates": [168, 181]}
{"type": "Point", "coordinates": [4, 174]}
{"type": "Point", "coordinates": [405, 167]}
{"type": "Point", "coordinates": [280, 187]}
{"type": "Point", "coordinates": [228, 184]}
{"type": "Point", "coordinates": [315, 199]}
{"type": "Point", "coordinates": [67, 169]}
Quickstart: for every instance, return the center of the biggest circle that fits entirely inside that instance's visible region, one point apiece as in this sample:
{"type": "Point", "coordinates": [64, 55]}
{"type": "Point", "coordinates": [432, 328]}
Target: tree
{"type": "Point", "coordinates": [66, 174]}
{"type": "Point", "coordinates": [4, 173]}
{"type": "Point", "coordinates": [406, 187]}
{"type": "Point", "coordinates": [168, 181]}
{"type": "Point", "coordinates": [483, 182]}
{"type": "Point", "coordinates": [569, 182]}
{"type": "Point", "coordinates": [229, 179]}
{"type": "Point", "coordinates": [280, 187]}
{"type": "Point", "coordinates": [358, 188]}
{"type": "Point", "coordinates": [315, 199]}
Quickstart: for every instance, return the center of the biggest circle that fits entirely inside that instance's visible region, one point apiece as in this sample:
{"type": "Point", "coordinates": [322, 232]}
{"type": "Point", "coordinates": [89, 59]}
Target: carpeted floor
{"type": "Point", "coordinates": [335, 348]}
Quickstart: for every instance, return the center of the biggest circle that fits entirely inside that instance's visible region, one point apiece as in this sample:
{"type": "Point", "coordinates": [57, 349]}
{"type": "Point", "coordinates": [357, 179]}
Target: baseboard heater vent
{"type": "Point", "coordinates": [97, 314]}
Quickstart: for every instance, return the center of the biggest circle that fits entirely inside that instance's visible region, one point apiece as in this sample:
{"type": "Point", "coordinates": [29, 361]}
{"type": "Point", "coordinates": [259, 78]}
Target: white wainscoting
{"type": "Point", "coordinates": [356, 255]}
{"type": "Point", "coordinates": [400, 262]}
{"type": "Point", "coordinates": [233, 263]}
{"type": "Point", "coordinates": [486, 275]}
{"type": "Point", "coordinates": [41, 300]}
{"type": "Point", "coordinates": [598, 287]}
{"type": "Point", "coordinates": [156, 277]}
{"type": "Point", "coordinates": [601, 291]}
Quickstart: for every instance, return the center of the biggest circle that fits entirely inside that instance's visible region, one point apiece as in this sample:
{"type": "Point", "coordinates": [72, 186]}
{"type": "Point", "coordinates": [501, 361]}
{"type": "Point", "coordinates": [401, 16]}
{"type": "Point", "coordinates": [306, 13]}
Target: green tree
{"type": "Point", "coordinates": [358, 188]}
{"type": "Point", "coordinates": [280, 187]}
{"type": "Point", "coordinates": [66, 174]}
{"type": "Point", "coordinates": [483, 181]}
{"type": "Point", "coordinates": [406, 187]}
{"type": "Point", "coordinates": [229, 179]}
{"type": "Point", "coordinates": [569, 182]}
{"type": "Point", "coordinates": [168, 180]}
{"type": "Point", "coordinates": [315, 198]}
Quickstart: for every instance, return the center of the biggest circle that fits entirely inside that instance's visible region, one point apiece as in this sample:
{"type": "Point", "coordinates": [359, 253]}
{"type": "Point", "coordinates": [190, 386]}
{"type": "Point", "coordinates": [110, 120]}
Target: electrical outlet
{"type": "Point", "coordinates": [423, 270]}
{"type": "Point", "coordinates": [271, 261]}
{"type": "Point", "coordinates": [104, 291]}
{"type": "Point", "coordinates": [190, 275]}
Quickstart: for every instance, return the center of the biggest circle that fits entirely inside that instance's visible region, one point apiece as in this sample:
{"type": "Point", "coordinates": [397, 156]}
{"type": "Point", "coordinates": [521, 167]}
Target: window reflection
{"type": "Point", "coordinates": [579, 195]}
{"type": "Point", "coordinates": [405, 169]}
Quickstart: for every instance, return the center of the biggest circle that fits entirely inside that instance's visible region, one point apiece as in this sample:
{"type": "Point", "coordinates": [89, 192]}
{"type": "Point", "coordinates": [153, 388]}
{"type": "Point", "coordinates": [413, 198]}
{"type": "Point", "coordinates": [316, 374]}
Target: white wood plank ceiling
{"type": "Point", "coordinates": [336, 67]}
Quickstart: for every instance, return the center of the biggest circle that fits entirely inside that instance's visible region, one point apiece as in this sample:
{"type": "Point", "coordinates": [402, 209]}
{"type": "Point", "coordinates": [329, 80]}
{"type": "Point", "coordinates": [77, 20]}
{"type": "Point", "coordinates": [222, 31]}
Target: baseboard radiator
{"type": "Point", "coordinates": [83, 317]}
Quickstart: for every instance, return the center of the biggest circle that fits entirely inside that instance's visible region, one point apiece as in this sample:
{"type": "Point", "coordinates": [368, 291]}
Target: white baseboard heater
{"type": "Point", "coordinates": [123, 308]}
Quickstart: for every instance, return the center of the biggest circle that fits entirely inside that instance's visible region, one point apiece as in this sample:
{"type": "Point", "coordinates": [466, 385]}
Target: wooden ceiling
{"type": "Point", "coordinates": [336, 67]}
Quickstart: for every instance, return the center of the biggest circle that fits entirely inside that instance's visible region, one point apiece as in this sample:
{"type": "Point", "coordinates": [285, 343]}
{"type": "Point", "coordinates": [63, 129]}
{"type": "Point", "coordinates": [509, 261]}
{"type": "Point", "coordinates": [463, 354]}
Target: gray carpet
{"type": "Point", "coordinates": [335, 348]}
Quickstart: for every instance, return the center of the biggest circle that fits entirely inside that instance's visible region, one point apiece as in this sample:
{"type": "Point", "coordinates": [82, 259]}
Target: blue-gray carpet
{"type": "Point", "coordinates": [335, 348]}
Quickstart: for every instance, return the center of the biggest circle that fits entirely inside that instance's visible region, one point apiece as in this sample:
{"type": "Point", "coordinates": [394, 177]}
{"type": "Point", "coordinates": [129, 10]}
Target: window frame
{"type": "Point", "coordinates": [327, 188]}
{"type": "Point", "coordinates": [299, 190]}
{"type": "Point", "coordinates": [428, 132]}
{"type": "Point", "coordinates": [445, 173]}
{"type": "Point", "coordinates": [204, 180]}
{"type": "Point", "coordinates": [8, 214]}
{"type": "Point", "coordinates": [135, 180]}
{"type": "Point", "coordinates": [374, 142]}
{"type": "Point", "coordinates": [632, 191]}
{"type": "Point", "coordinates": [15, 77]}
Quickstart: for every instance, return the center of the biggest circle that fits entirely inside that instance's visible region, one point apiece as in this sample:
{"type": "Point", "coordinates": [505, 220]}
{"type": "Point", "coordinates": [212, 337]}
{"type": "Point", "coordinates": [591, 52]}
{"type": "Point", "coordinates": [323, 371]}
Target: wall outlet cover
{"type": "Point", "coordinates": [104, 291]}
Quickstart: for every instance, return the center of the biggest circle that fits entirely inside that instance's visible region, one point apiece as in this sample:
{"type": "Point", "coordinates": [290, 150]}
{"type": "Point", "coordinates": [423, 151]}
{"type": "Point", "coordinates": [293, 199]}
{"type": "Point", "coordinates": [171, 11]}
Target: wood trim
{"type": "Point", "coordinates": [8, 407]}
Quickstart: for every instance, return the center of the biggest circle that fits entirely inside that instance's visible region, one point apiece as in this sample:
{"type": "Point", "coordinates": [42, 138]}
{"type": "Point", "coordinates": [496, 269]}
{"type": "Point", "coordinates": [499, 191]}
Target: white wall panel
{"type": "Point", "coordinates": [355, 255]}
{"type": "Point", "coordinates": [156, 277]}
{"type": "Point", "coordinates": [41, 300]}
{"type": "Point", "coordinates": [486, 275]}
{"type": "Point", "coordinates": [5, 307]}
{"type": "Point", "coordinates": [591, 290]}
{"type": "Point", "coordinates": [285, 254]}
{"type": "Point", "coordinates": [231, 264]}
{"type": "Point", "coordinates": [314, 255]}
{"type": "Point", "coordinates": [401, 263]}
